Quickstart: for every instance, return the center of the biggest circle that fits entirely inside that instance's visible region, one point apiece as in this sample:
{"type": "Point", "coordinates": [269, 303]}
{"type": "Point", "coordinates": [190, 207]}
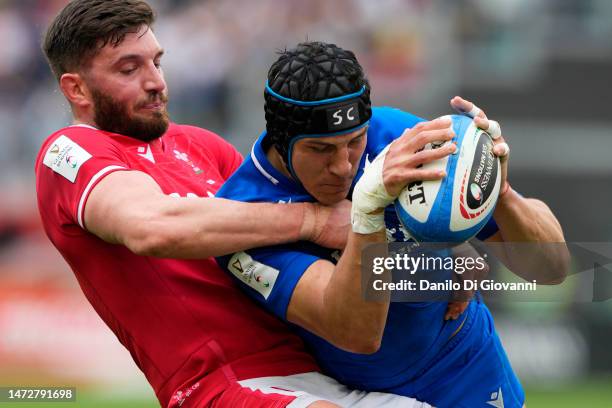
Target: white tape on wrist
{"type": "Point", "coordinates": [370, 195]}
{"type": "Point", "coordinates": [494, 129]}
{"type": "Point", "coordinates": [367, 223]}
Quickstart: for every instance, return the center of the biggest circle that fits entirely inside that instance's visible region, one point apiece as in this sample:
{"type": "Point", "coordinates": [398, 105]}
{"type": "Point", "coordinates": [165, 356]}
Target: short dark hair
{"type": "Point", "coordinates": [84, 27]}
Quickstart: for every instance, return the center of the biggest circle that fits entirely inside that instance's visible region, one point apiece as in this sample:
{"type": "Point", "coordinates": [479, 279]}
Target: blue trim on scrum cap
{"type": "Point", "coordinates": [314, 103]}
{"type": "Point", "coordinates": [306, 136]}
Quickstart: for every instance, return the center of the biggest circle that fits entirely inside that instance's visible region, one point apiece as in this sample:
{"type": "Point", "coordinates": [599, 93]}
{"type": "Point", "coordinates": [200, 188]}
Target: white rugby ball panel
{"type": "Point", "coordinates": [418, 198]}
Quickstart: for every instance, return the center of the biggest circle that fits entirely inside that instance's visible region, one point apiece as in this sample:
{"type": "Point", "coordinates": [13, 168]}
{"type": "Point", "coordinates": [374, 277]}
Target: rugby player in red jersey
{"type": "Point", "coordinates": [126, 196]}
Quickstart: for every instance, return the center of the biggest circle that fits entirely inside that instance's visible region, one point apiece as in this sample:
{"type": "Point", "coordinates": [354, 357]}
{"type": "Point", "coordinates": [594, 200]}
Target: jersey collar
{"type": "Point", "coordinates": [274, 176]}
{"type": "Point", "coordinates": [84, 125]}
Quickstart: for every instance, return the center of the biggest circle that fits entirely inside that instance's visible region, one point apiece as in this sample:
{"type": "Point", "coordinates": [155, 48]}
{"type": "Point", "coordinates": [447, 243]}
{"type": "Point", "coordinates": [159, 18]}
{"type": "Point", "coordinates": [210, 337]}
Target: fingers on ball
{"type": "Point", "coordinates": [429, 136]}
{"type": "Point", "coordinates": [502, 149]}
{"type": "Point", "coordinates": [467, 108]}
{"type": "Point", "coordinates": [494, 129]}
{"type": "Point", "coordinates": [427, 156]}
{"type": "Point", "coordinates": [426, 174]}
{"type": "Point", "coordinates": [438, 123]}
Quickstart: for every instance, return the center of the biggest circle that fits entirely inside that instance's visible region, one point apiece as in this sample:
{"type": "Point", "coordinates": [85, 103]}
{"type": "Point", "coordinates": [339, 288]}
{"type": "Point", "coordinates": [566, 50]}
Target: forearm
{"type": "Point", "coordinates": [526, 220]}
{"type": "Point", "coordinates": [352, 320]}
{"type": "Point", "coordinates": [129, 208]}
{"type": "Point", "coordinates": [534, 243]}
{"type": "Point", "coordinates": [200, 228]}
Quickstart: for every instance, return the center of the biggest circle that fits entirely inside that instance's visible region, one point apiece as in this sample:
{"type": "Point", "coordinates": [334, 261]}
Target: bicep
{"type": "Point", "coordinates": [306, 307]}
{"type": "Point", "coordinates": [118, 204]}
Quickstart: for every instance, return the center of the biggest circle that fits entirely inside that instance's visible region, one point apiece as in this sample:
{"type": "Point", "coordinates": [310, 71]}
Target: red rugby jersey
{"type": "Point", "coordinates": [188, 328]}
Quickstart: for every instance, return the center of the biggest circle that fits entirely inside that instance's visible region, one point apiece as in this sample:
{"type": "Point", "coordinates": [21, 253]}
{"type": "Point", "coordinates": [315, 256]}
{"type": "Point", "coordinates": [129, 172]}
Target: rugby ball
{"type": "Point", "coordinates": [457, 207]}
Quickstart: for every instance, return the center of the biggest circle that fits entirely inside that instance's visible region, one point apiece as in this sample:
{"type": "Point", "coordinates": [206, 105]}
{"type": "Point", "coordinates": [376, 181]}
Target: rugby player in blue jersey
{"type": "Point", "coordinates": [321, 131]}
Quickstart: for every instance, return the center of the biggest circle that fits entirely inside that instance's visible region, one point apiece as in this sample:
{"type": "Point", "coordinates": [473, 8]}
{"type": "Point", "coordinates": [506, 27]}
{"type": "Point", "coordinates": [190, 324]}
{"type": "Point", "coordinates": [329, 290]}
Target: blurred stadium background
{"type": "Point", "coordinates": [540, 67]}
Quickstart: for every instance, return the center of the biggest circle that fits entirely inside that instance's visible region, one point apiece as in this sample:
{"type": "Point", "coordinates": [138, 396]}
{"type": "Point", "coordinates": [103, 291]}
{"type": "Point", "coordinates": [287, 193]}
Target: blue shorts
{"type": "Point", "coordinates": [471, 371]}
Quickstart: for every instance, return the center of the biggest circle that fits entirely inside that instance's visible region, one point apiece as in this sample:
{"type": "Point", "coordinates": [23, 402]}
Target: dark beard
{"type": "Point", "coordinates": [112, 116]}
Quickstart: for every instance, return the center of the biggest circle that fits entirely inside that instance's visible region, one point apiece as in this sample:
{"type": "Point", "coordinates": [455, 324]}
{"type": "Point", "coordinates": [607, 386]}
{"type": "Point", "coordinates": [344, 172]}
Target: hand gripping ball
{"type": "Point", "coordinates": [457, 207]}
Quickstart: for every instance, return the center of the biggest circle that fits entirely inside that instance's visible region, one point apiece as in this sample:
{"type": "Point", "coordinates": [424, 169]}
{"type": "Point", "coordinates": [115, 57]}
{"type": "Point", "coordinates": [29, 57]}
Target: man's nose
{"type": "Point", "coordinates": [340, 164]}
{"type": "Point", "coordinates": [155, 80]}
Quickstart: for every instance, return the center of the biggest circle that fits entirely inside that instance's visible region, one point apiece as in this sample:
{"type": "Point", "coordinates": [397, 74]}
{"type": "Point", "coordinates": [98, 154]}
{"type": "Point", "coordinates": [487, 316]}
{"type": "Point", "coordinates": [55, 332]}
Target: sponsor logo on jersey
{"type": "Point", "coordinates": [183, 157]}
{"type": "Point", "coordinates": [236, 264]}
{"type": "Point", "coordinates": [145, 152]}
{"type": "Point", "coordinates": [65, 157]}
{"type": "Point", "coordinates": [397, 233]}
{"type": "Point", "coordinates": [497, 399]}
{"type": "Point", "coordinates": [255, 274]}
{"type": "Point", "coordinates": [180, 396]}
{"type": "Point", "coordinates": [72, 161]}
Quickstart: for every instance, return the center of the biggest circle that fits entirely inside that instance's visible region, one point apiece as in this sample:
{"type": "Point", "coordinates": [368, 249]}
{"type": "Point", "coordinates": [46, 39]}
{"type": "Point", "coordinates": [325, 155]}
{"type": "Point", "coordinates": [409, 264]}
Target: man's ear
{"type": "Point", "coordinates": [75, 89]}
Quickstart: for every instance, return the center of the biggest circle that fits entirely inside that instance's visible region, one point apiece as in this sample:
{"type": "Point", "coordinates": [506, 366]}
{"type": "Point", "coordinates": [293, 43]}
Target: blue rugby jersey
{"type": "Point", "coordinates": [417, 341]}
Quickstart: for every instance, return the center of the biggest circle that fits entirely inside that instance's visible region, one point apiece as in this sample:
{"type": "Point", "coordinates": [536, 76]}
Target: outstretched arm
{"type": "Point", "coordinates": [129, 208]}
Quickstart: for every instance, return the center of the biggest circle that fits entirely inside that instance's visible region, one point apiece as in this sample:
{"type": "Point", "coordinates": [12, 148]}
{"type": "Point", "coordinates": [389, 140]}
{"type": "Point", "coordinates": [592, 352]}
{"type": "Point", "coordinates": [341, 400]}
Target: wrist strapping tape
{"type": "Point", "coordinates": [370, 195]}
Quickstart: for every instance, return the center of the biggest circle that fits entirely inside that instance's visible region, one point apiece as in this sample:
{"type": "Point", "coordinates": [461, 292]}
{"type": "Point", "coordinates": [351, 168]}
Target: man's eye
{"type": "Point", "coordinates": [128, 71]}
{"type": "Point", "coordinates": [320, 149]}
{"type": "Point", "coordinates": [356, 140]}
